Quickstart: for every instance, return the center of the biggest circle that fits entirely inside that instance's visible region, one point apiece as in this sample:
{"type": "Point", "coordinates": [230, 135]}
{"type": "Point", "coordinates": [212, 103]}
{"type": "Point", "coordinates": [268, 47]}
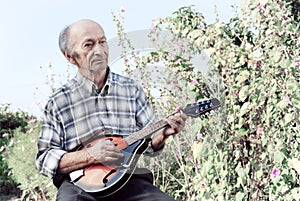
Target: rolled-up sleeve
{"type": "Point", "coordinates": [49, 143]}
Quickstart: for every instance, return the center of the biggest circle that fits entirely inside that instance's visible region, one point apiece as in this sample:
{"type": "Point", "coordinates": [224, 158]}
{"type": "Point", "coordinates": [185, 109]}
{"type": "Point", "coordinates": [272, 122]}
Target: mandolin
{"type": "Point", "coordinates": [104, 179]}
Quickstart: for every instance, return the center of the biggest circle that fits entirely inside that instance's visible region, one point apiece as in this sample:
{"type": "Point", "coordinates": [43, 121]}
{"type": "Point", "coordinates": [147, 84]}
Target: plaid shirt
{"type": "Point", "coordinates": [76, 112]}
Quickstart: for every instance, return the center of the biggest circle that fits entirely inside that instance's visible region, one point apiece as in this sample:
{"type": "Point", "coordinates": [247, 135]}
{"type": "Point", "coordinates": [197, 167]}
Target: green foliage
{"type": "Point", "coordinates": [19, 132]}
{"type": "Point", "coordinates": [21, 161]}
{"type": "Point", "coordinates": [9, 121]}
{"type": "Point", "coordinates": [249, 150]}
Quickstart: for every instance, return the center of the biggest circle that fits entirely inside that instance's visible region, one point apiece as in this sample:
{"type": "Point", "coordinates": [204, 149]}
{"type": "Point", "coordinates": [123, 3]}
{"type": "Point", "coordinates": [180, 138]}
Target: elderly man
{"type": "Point", "coordinates": [96, 101]}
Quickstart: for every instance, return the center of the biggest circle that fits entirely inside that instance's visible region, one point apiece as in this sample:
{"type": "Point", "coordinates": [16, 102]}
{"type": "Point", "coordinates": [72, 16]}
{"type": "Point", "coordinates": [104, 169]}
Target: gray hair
{"type": "Point", "coordinates": [64, 40]}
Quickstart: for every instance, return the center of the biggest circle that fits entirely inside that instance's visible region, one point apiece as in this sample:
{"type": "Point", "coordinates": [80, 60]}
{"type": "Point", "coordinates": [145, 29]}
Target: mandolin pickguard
{"type": "Point", "coordinates": [106, 179]}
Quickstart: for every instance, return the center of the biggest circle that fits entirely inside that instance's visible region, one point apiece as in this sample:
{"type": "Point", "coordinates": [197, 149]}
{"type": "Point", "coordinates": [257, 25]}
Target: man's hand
{"type": "Point", "coordinates": [104, 151]}
{"type": "Point", "coordinates": [176, 123]}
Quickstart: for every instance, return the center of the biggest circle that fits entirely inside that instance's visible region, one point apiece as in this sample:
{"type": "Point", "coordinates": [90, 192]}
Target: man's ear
{"type": "Point", "coordinates": [70, 58]}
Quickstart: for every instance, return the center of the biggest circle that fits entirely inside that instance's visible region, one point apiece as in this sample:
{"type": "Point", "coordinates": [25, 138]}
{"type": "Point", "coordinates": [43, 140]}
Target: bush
{"type": "Point", "coordinates": [19, 176]}
{"type": "Point", "coordinates": [9, 121]}
{"type": "Point", "coordinates": [21, 161]}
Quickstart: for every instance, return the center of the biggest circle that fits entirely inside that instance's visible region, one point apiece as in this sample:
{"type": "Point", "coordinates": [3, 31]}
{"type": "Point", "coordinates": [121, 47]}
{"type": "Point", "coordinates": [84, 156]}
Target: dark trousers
{"type": "Point", "coordinates": [138, 188]}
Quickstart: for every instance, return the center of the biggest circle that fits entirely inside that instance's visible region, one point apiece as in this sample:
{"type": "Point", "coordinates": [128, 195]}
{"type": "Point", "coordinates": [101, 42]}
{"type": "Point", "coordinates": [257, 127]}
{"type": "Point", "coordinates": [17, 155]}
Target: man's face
{"type": "Point", "coordinates": [89, 47]}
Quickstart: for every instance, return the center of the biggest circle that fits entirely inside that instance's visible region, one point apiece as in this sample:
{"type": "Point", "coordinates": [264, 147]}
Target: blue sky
{"type": "Point", "coordinates": [30, 28]}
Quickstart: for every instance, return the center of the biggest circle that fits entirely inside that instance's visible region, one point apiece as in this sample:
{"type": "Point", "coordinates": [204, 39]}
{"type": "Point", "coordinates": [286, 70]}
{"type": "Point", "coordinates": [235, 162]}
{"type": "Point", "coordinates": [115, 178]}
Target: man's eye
{"type": "Point", "coordinates": [88, 45]}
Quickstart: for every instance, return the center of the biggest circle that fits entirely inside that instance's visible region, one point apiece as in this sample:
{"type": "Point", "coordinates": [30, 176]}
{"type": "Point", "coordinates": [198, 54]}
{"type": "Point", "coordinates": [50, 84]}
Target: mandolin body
{"type": "Point", "coordinates": [105, 179]}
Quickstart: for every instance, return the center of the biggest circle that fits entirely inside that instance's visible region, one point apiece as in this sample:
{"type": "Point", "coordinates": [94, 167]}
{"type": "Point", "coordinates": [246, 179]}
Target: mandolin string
{"type": "Point", "coordinates": [141, 134]}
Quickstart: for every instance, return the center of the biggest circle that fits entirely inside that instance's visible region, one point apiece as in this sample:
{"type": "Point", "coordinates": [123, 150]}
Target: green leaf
{"type": "Point", "coordinates": [285, 63]}
{"type": "Point", "coordinates": [282, 104]}
{"type": "Point", "coordinates": [276, 56]}
{"type": "Point", "coordinates": [240, 132]}
{"type": "Point", "coordinates": [154, 53]}
{"type": "Point", "coordinates": [292, 86]}
{"type": "Point", "coordinates": [244, 109]}
{"type": "Point", "coordinates": [278, 157]}
{"type": "Point", "coordinates": [295, 164]}
{"type": "Point", "coordinates": [239, 196]}
{"type": "Point", "coordinates": [296, 103]}
{"type": "Point", "coordinates": [258, 174]}
{"type": "Point", "coordinates": [244, 92]}
{"type": "Point", "coordinates": [254, 97]}
{"type": "Point", "coordinates": [243, 76]}
{"type": "Point", "coordinates": [197, 149]}
{"type": "Point", "coordinates": [195, 34]}
{"type": "Point", "coordinates": [287, 118]}
{"type": "Point", "coordinates": [241, 171]}
{"type": "Point", "coordinates": [241, 123]}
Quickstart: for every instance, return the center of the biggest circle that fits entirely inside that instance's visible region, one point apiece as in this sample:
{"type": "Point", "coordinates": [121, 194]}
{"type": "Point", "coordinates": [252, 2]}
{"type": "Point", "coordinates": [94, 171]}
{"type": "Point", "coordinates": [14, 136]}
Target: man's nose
{"type": "Point", "coordinates": [99, 49]}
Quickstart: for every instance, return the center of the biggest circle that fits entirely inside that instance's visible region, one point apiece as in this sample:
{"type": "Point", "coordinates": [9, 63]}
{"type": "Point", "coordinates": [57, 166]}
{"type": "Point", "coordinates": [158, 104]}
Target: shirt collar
{"type": "Point", "coordinates": [91, 87]}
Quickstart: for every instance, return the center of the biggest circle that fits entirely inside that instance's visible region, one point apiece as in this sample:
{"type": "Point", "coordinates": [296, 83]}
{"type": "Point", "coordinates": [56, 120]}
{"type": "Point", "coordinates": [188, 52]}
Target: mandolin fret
{"type": "Point", "coordinates": [146, 132]}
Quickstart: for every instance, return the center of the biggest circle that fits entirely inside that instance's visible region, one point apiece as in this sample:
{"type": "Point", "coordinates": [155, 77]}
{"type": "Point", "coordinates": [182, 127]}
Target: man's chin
{"type": "Point", "coordinates": [100, 68]}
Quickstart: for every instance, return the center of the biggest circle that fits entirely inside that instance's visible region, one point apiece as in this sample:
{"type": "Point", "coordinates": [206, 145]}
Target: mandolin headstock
{"type": "Point", "coordinates": [200, 108]}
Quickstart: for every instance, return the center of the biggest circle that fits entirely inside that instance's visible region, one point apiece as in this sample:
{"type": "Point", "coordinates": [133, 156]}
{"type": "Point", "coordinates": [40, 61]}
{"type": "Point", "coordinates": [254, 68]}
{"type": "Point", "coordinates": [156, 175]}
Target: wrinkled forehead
{"type": "Point", "coordinates": [85, 29]}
